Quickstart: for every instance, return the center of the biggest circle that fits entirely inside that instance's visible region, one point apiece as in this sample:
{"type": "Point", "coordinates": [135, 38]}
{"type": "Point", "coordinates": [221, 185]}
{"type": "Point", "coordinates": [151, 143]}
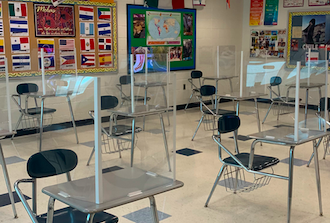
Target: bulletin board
{"type": "Point", "coordinates": [28, 26]}
{"type": "Point", "coordinates": [163, 31]}
{"type": "Point", "coordinates": [308, 30]}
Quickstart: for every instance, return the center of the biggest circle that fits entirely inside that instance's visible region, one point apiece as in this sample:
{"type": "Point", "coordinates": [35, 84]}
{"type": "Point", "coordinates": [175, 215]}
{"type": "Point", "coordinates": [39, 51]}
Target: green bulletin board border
{"type": "Point", "coordinates": [131, 42]}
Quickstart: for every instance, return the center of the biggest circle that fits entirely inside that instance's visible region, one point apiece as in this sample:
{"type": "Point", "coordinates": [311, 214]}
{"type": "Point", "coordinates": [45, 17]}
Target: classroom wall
{"type": "Point", "coordinates": [216, 25]}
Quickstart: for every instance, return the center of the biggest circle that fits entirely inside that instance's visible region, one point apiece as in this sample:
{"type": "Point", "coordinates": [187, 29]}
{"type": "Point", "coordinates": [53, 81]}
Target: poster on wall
{"type": "Point", "coordinates": [164, 28]}
{"type": "Point", "coordinates": [268, 43]}
{"type": "Point", "coordinates": [271, 12]}
{"type": "Point", "coordinates": [256, 12]}
{"type": "Point", "coordinates": [318, 2]}
{"type": "Point", "coordinates": [307, 30]}
{"type": "Point", "coordinates": [199, 2]}
{"type": "Point", "coordinates": [54, 21]}
{"type": "Point", "coordinates": [293, 3]}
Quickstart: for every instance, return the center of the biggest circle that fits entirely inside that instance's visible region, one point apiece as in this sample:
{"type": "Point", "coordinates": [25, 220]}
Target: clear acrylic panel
{"type": "Point", "coordinates": [5, 110]}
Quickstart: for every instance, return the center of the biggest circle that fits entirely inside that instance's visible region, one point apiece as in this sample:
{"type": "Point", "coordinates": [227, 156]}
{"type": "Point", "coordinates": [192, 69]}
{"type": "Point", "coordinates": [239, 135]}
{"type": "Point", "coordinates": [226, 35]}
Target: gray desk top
{"type": "Point", "coordinates": [48, 94]}
{"type": "Point", "coordinates": [120, 187]}
{"type": "Point", "coordinates": [245, 96]}
{"type": "Point", "coordinates": [284, 135]}
{"type": "Point", "coordinates": [306, 85]}
{"type": "Point", "coordinates": [140, 110]}
{"type": "Point", "coordinates": [220, 78]}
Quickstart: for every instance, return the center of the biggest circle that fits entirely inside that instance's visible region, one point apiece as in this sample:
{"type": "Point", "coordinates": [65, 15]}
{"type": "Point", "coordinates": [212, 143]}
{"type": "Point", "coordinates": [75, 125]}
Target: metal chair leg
{"type": "Point", "coordinates": [270, 107]}
{"type": "Point", "coordinates": [215, 184]}
{"type": "Point", "coordinates": [153, 208]}
{"type": "Point", "coordinates": [192, 94]}
{"type": "Point", "coordinates": [310, 159]}
{"type": "Point", "coordinates": [199, 124]}
{"type": "Point", "coordinates": [90, 218]}
{"type": "Point", "coordinates": [50, 212]}
{"type": "Point", "coordinates": [17, 125]}
{"type": "Point", "coordinates": [90, 157]}
{"type": "Point", "coordinates": [326, 146]}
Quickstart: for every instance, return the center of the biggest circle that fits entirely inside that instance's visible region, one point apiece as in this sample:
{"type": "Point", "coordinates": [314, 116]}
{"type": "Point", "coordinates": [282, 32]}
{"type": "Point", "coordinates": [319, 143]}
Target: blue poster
{"type": "Point", "coordinates": [271, 12]}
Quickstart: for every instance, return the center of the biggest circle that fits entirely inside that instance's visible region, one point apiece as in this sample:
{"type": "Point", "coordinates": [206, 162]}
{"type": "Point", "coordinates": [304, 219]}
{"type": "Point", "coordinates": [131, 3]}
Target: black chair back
{"type": "Point", "coordinates": [109, 102]}
{"type": "Point", "coordinates": [275, 81]}
{"type": "Point", "coordinates": [207, 90]}
{"type": "Point", "coordinates": [322, 104]}
{"type": "Point", "coordinates": [51, 163]}
{"type": "Point", "coordinates": [196, 74]}
{"type": "Point", "coordinates": [27, 88]}
{"type": "Point", "coordinates": [124, 80]}
{"type": "Point", "coordinates": [228, 123]}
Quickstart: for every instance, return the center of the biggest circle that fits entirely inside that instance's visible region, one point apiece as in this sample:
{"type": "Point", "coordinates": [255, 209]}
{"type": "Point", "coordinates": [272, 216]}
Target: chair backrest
{"type": "Point", "coordinates": [27, 88]}
{"type": "Point", "coordinates": [228, 123]}
{"type": "Point", "coordinates": [275, 81]}
{"type": "Point", "coordinates": [207, 90]}
{"type": "Point", "coordinates": [322, 104]}
{"type": "Point", "coordinates": [109, 102]}
{"type": "Point", "coordinates": [196, 74]}
{"type": "Point", "coordinates": [51, 163]}
{"type": "Point", "coordinates": [124, 80]}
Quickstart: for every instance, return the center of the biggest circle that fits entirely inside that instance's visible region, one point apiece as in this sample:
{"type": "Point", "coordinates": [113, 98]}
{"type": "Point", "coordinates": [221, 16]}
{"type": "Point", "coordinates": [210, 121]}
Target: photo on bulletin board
{"type": "Point", "coordinates": [318, 2]}
{"type": "Point", "coordinates": [293, 3]}
{"type": "Point", "coordinates": [54, 21]}
{"type": "Point", "coordinates": [160, 31]}
{"type": "Point", "coordinates": [307, 30]}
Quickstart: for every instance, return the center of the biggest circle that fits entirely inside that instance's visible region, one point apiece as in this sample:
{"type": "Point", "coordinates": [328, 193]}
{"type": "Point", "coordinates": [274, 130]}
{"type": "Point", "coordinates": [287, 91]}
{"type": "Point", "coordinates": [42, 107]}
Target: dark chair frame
{"type": "Point", "coordinates": [195, 75]}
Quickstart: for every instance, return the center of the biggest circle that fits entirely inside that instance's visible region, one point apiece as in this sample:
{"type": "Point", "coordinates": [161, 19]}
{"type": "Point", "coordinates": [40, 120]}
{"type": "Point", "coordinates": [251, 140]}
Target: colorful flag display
{"type": "Point", "coordinates": [21, 62]}
{"type": "Point", "coordinates": [105, 60]}
{"type": "Point", "coordinates": [2, 64]}
{"type": "Point", "coordinates": [2, 45]}
{"type": "Point", "coordinates": [104, 29]}
{"type": "Point", "coordinates": [87, 60]}
{"type": "Point", "coordinates": [19, 27]}
{"type": "Point", "coordinates": [49, 62]}
{"type": "Point", "coordinates": [86, 13]}
{"type": "Point", "coordinates": [103, 13]}
{"type": "Point", "coordinates": [87, 45]}
{"type": "Point", "coordinates": [86, 29]}
{"type": "Point", "coordinates": [17, 9]}
{"type": "Point", "coordinates": [1, 27]}
{"type": "Point", "coordinates": [104, 44]}
{"type": "Point", "coordinates": [20, 44]}
{"type": "Point", "coordinates": [67, 62]}
{"type": "Point", "coordinates": [47, 44]}
{"type": "Point", "coordinates": [166, 4]}
{"type": "Point", "coordinates": [0, 9]}
{"type": "Point", "coordinates": [66, 45]}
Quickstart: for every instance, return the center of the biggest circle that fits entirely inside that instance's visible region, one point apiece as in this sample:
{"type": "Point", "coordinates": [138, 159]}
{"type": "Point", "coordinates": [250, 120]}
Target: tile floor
{"type": "Point", "coordinates": [198, 172]}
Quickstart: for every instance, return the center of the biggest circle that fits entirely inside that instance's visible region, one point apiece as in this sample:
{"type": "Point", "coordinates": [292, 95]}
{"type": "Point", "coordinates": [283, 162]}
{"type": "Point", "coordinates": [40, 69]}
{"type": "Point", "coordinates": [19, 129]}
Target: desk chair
{"type": "Point", "coordinates": [126, 81]}
{"type": "Point", "coordinates": [278, 100]}
{"type": "Point", "coordinates": [51, 163]}
{"type": "Point", "coordinates": [195, 75]}
{"type": "Point", "coordinates": [115, 140]}
{"type": "Point", "coordinates": [32, 114]}
{"type": "Point", "coordinates": [240, 162]}
{"type": "Point", "coordinates": [209, 114]}
{"type": "Point", "coordinates": [326, 140]}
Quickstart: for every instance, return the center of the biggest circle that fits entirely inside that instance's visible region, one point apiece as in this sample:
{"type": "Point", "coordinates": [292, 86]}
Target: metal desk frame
{"type": "Point", "coordinates": [318, 135]}
{"type": "Point", "coordinates": [5, 173]}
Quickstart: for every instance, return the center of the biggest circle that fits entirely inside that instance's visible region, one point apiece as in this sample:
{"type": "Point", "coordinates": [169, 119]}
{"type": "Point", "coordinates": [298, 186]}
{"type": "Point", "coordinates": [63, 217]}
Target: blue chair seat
{"type": "Point", "coordinates": [120, 130]}
{"type": "Point", "coordinates": [37, 111]}
{"type": "Point", "coordinates": [137, 98]}
{"type": "Point", "coordinates": [75, 216]}
{"type": "Point", "coordinates": [259, 162]}
{"type": "Point", "coordinates": [220, 112]}
{"type": "Point", "coordinates": [280, 99]}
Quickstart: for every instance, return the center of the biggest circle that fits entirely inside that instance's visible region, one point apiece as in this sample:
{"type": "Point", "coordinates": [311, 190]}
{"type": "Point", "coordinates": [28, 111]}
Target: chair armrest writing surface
{"type": "Point", "coordinates": [23, 200]}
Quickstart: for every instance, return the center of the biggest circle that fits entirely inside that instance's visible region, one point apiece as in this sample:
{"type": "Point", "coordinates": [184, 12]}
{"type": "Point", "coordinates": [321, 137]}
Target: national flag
{"type": "Point", "coordinates": [49, 62]}
{"type": "Point", "coordinates": [105, 60]}
{"type": "Point", "coordinates": [17, 9]}
{"type": "Point", "coordinates": [86, 29]}
{"type": "Point", "coordinates": [21, 62]}
{"type": "Point", "coordinates": [67, 45]}
{"type": "Point", "coordinates": [88, 60]}
{"type": "Point", "coordinates": [105, 44]}
{"type": "Point", "coordinates": [2, 45]}
{"type": "Point", "coordinates": [104, 29]}
{"type": "Point", "coordinates": [67, 61]}
{"type": "Point", "coordinates": [47, 44]}
{"type": "Point", "coordinates": [165, 4]}
{"type": "Point", "coordinates": [20, 44]}
{"type": "Point", "coordinates": [87, 44]}
{"type": "Point", "coordinates": [86, 13]}
{"type": "Point", "coordinates": [103, 13]}
{"type": "Point", "coordinates": [19, 27]}
{"type": "Point", "coordinates": [0, 9]}
{"type": "Point", "coordinates": [1, 27]}
{"type": "Point", "coordinates": [2, 64]}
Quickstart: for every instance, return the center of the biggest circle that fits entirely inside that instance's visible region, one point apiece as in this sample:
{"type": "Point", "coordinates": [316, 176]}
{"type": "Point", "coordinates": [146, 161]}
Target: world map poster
{"type": "Point", "coordinates": [163, 28]}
